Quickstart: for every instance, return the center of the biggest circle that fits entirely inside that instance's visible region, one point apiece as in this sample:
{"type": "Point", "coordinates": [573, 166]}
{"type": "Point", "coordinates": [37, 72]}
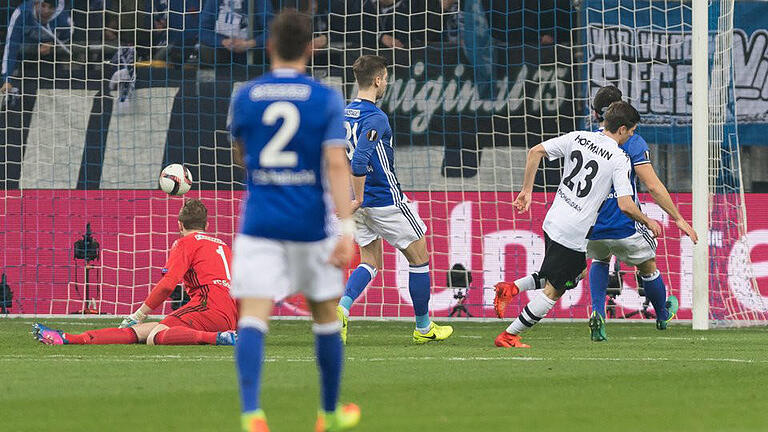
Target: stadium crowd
{"type": "Point", "coordinates": [73, 38]}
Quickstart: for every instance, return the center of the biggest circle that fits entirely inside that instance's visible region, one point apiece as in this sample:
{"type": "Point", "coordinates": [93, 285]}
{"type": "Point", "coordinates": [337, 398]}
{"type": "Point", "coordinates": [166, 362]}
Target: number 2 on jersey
{"type": "Point", "coordinates": [273, 156]}
{"type": "Point", "coordinates": [592, 166]}
{"type": "Point", "coordinates": [220, 251]}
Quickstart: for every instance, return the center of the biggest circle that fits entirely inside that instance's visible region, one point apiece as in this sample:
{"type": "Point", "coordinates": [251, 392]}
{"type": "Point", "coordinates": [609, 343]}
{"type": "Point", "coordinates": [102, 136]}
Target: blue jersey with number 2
{"type": "Point", "coordinates": [283, 121]}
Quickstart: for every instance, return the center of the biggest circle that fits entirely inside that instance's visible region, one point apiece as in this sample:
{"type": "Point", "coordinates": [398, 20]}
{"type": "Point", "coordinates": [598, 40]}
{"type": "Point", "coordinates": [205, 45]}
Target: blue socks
{"type": "Point", "coordinates": [656, 292]}
{"type": "Point", "coordinates": [598, 284]}
{"type": "Point", "coordinates": [330, 355]}
{"type": "Point", "coordinates": [358, 280]}
{"type": "Point", "coordinates": [419, 287]}
{"type": "Point", "coordinates": [249, 354]}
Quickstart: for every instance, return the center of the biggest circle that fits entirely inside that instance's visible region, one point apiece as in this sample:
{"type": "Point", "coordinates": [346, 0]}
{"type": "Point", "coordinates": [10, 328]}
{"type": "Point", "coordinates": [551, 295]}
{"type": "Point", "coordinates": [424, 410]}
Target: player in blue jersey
{"type": "Point", "coordinates": [615, 234]}
{"type": "Point", "coordinates": [289, 130]}
{"type": "Point", "coordinates": [381, 210]}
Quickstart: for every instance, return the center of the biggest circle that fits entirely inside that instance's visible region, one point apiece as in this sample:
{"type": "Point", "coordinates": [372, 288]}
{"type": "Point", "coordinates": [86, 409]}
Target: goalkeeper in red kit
{"type": "Point", "coordinates": [209, 318]}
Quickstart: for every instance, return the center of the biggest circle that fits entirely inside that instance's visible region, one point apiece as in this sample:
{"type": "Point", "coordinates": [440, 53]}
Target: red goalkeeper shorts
{"type": "Point", "coordinates": [217, 313]}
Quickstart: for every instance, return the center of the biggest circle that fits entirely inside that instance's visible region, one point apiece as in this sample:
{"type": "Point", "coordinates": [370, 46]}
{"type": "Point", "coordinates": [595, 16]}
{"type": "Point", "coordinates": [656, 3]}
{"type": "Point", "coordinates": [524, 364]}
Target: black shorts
{"type": "Point", "coordinates": [562, 266]}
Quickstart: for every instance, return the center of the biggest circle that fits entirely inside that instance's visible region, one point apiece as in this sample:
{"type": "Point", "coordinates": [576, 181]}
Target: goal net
{"type": "Point", "coordinates": [104, 95]}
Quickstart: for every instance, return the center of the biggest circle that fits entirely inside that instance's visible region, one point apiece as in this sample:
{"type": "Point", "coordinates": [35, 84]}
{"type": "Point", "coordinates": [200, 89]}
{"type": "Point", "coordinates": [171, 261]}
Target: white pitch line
{"type": "Point", "coordinates": [199, 358]}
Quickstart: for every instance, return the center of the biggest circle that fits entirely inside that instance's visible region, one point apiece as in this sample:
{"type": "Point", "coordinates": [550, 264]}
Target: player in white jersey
{"type": "Point", "coordinates": [594, 163]}
{"type": "Point", "coordinates": [616, 234]}
{"type": "Point", "coordinates": [382, 210]}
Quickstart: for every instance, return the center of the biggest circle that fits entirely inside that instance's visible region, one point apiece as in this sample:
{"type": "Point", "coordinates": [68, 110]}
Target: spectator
{"type": "Point", "coordinates": [224, 35]}
{"type": "Point", "coordinates": [102, 24]}
{"type": "Point", "coordinates": [352, 24]}
{"type": "Point", "coordinates": [319, 19]}
{"type": "Point", "coordinates": [478, 46]}
{"type": "Point", "coordinates": [443, 21]}
{"type": "Point", "coordinates": [533, 23]}
{"type": "Point", "coordinates": [37, 30]}
{"type": "Point", "coordinates": [180, 20]}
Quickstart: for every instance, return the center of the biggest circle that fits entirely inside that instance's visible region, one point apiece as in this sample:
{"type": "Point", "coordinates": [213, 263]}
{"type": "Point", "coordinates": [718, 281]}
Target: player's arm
{"type": "Point", "coordinates": [624, 194]}
{"type": "Point", "coordinates": [658, 191]}
{"type": "Point", "coordinates": [628, 206]}
{"type": "Point", "coordinates": [366, 144]}
{"type": "Point", "coordinates": [177, 265]}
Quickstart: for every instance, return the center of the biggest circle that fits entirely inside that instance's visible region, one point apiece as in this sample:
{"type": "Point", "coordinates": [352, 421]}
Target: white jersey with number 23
{"type": "Point", "coordinates": [593, 163]}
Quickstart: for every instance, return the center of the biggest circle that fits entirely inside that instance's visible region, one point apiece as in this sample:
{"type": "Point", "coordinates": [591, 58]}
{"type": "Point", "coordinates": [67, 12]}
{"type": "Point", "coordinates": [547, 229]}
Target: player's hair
{"type": "Point", "coordinates": [291, 32]}
{"type": "Point", "coordinates": [603, 99]}
{"type": "Point", "coordinates": [193, 215]}
{"type": "Point", "coordinates": [367, 68]}
{"type": "Point", "coordinates": [620, 114]}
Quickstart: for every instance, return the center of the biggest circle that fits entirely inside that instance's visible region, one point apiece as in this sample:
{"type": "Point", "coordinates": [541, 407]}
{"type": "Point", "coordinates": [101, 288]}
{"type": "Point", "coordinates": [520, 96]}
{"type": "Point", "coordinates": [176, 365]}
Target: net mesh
{"type": "Point", "coordinates": [123, 89]}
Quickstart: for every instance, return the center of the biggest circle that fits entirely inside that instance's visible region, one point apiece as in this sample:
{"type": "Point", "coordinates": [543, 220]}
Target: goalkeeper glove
{"type": "Point", "coordinates": [131, 320]}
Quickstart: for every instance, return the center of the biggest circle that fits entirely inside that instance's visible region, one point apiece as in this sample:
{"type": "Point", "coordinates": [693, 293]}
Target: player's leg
{"type": "Point", "coordinates": [640, 250]}
{"type": "Point", "coordinates": [194, 325]}
{"type": "Point", "coordinates": [249, 356]}
{"type": "Point", "coordinates": [599, 251]}
{"type": "Point", "coordinates": [419, 287]}
{"type": "Point", "coordinates": [330, 359]}
{"type": "Point", "coordinates": [267, 259]}
{"type": "Point", "coordinates": [322, 285]}
{"type": "Point", "coordinates": [656, 293]}
{"type": "Point", "coordinates": [505, 291]}
{"type": "Point", "coordinates": [370, 264]}
{"type": "Point", "coordinates": [105, 336]}
{"type": "Point", "coordinates": [562, 268]}
{"type": "Point", "coordinates": [536, 309]}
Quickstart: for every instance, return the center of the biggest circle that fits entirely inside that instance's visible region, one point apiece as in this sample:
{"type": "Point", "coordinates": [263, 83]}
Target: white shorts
{"type": "Point", "coordinates": [265, 268]}
{"type": "Point", "coordinates": [399, 225]}
{"type": "Point", "coordinates": [633, 250]}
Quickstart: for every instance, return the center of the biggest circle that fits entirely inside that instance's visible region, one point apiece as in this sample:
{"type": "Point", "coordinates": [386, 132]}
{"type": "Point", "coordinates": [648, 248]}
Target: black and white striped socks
{"type": "Point", "coordinates": [536, 309]}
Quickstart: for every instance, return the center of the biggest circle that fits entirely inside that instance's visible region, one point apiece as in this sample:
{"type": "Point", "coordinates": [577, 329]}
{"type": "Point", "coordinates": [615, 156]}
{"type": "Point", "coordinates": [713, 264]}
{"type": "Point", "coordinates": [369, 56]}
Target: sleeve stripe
{"type": "Point", "coordinates": [335, 143]}
{"type": "Point", "coordinates": [642, 163]}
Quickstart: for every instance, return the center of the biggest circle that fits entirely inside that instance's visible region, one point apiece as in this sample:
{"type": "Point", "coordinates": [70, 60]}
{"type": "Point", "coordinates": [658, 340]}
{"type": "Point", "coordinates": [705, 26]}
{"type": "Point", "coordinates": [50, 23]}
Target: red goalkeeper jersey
{"type": "Point", "coordinates": [203, 262]}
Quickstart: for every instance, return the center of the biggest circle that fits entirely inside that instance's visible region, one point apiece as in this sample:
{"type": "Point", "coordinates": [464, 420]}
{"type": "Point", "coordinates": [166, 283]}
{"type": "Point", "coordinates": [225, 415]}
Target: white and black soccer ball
{"type": "Point", "coordinates": [175, 179]}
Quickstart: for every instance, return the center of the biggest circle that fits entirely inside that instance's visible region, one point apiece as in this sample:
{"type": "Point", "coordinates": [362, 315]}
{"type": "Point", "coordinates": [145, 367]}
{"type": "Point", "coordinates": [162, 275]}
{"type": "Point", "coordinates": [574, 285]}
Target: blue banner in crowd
{"type": "Point", "coordinates": [645, 48]}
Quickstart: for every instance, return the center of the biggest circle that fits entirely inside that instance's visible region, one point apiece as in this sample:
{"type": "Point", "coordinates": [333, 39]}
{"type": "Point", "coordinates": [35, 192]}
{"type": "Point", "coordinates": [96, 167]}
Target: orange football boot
{"type": "Point", "coordinates": [504, 293]}
{"type": "Point", "coordinates": [508, 340]}
{"type": "Point", "coordinates": [255, 421]}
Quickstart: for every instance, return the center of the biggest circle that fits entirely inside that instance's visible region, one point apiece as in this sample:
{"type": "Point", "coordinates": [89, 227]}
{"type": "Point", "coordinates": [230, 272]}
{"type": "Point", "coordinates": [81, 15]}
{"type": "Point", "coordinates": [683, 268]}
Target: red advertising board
{"type": "Point", "coordinates": [477, 229]}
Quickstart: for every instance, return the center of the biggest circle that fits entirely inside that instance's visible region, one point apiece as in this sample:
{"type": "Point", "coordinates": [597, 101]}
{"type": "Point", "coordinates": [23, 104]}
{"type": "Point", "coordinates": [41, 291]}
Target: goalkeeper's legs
{"type": "Point", "coordinates": [105, 336]}
{"type": "Point", "coordinates": [207, 327]}
{"type": "Point", "coordinates": [182, 335]}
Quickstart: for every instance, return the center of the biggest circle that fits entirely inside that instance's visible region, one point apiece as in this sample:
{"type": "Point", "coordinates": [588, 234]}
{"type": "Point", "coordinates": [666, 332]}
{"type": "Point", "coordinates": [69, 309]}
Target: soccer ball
{"type": "Point", "coordinates": [175, 179]}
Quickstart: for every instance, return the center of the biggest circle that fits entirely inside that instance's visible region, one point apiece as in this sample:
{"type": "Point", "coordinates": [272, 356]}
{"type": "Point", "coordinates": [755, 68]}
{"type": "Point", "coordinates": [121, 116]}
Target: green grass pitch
{"type": "Point", "coordinates": [640, 380]}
